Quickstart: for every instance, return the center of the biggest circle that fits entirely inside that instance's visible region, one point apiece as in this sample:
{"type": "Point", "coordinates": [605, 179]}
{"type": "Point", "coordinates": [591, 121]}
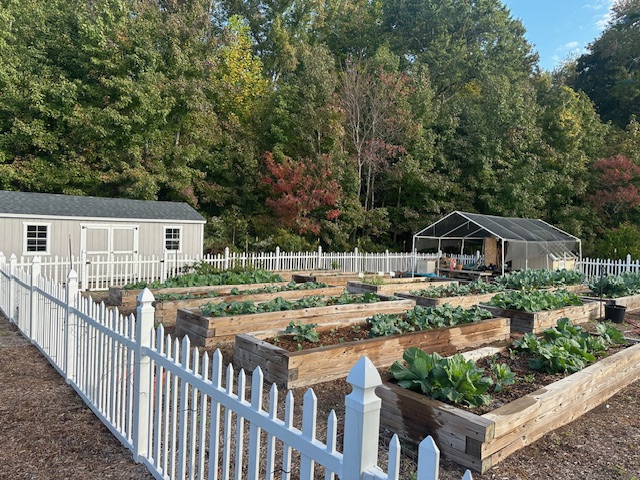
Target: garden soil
{"type": "Point", "coordinates": [48, 433]}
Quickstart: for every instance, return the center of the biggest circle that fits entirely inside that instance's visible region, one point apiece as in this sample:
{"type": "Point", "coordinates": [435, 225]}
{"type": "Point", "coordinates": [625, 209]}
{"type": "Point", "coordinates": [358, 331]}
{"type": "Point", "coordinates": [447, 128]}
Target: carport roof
{"type": "Point", "coordinates": [463, 225]}
{"type": "Point", "coordinates": [66, 206]}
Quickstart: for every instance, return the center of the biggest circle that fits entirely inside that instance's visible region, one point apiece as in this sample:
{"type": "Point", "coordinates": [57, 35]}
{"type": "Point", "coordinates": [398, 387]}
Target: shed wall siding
{"type": "Point", "coordinates": [64, 233]}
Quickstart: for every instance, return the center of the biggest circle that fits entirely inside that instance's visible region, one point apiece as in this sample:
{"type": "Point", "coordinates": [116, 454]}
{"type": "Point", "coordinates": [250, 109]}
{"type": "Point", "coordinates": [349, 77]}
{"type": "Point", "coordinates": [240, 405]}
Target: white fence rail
{"type": "Point", "coordinates": [178, 412]}
{"type": "Point", "coordinates": [98, 272]}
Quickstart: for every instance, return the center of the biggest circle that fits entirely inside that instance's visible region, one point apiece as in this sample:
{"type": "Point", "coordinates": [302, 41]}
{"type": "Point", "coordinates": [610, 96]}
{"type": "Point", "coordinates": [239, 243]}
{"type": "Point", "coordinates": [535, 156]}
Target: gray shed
{"type": "Point", "coordinates": [48, 225]}
{"type": "Point", "coordinates": [521, 242]}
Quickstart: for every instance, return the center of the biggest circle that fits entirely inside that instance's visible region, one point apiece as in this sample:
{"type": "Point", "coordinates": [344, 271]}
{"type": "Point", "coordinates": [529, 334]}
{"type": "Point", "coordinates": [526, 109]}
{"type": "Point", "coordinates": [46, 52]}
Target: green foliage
{"type": "Point", "coordinates": [614, 286]}
{"type": "Point", "coordinates": [450, 379]}
{"type": "Point", "coordinates": [532, 279]}
{"type": "Point", "coordinates": [504, 376]}
{"type": "Point", "coordinates": [303, 332]}
{"type": "Point", "coordinates": [224, 309]}
{"type": "Point", "coordinates": [534, 301]}
{"type": "Point", "coordinates": [617, 243]}
{"type": "Point", "coordinates": [424, 318]}
{"type": "Point", "coordinates": [566, 347]}
{"type": "Point", "coordinates": [202, 280]}
{"type": "Point", "coordinates": [477, 287]}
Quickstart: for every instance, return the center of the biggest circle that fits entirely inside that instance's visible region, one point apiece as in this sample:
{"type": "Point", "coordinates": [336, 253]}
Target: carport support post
{"type": "Point", "coordinates": [70, 327]}
{"type": "Point", "coordinates": [142, 375]}
{"type": "Point", "coordinates": [36, 269]}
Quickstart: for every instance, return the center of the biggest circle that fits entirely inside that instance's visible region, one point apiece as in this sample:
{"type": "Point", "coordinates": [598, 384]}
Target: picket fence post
{"type": "Point", "coordinates": [226, 258]}
{"type": "Point", "coordinates": [320, 257]}
{"type": "Point", "coordinates": [36, 269]}
{"type": "Point", "coordinates": [277, 266]}
{"type": "Point", "coordinates": [361, 420]}
{"type": "Point", "coordinates": [70, 327]}
{"type": "Point", "coordinates": [164, 263]}
{"type": "Point", "coordinates": [141, 378]}
{"type": "Point", "coordinates": [13, 265]}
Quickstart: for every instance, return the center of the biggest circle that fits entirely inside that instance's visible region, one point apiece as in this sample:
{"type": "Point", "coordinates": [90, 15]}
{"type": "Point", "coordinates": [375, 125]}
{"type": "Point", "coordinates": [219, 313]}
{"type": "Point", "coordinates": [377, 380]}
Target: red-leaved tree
{"type": "Point", "coordinates": [617, 192]}
{"type": "Point", "coordinates": [303, 192]}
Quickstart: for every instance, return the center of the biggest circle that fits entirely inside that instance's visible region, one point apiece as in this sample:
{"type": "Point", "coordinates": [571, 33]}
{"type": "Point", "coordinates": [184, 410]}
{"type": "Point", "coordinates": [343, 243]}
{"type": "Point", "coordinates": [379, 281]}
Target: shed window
{"type": "Point", "coordinates": [172, 239]}
{"type": "Point", "coordinates": [37, 238]}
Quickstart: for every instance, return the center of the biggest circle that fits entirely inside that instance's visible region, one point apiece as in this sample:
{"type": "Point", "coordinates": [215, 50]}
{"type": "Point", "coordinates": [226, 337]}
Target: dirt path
{"type": "Point", "coordinates": [47, 431]}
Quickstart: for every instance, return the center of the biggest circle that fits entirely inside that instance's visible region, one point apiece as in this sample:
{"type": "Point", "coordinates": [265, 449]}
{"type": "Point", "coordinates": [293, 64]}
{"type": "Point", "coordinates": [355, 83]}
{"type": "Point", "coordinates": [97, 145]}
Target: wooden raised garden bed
{"type": "Point", "coordinates": [207, 331]}
{"type": "Point", "coordinates": [311, 366]}
{"type": "Point", "coordinates": [464, 301]}
{"type": "Point", "coordinates": [395, 285]}
{"type": "Point", "coordinates": [536, 322]}
{"type": "Point", "coordinates": [167, 310]}
{"type": "Point", "coordinates": [632, 302]}
{"type": "Point", "coordinates": [481, 441]}
{"type": "Point", "coordinates": [128, 298]}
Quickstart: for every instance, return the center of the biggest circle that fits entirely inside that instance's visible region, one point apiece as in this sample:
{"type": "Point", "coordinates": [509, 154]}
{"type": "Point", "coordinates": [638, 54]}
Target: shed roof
{"type": "Point", "coordinates": [65, 206]}
{"type": "Point", "coordinates": [459, 225]}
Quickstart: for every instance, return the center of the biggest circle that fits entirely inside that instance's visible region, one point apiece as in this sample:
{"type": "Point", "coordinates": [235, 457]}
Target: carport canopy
{"type": "Point", "coordinates": [528, 237]}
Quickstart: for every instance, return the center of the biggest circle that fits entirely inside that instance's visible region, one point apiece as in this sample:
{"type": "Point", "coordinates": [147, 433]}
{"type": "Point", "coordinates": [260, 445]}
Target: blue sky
{"type": "Point", "coordinates": [559, 28]}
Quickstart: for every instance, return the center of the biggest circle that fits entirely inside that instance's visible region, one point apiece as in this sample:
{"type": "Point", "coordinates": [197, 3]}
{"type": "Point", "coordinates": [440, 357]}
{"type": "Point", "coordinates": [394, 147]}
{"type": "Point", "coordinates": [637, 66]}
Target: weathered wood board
{"type": "Point", "coordinates": [206, 331]}
{"type": "Point", "coordinates": [167, 311]}
{"type": "Point", "coordinates": [536, 322]}
{"type": "Point", "coordinates": [396, 285]}
{"type": "Point", "coordinates": [331, 278]}
{"type": "Point", "coordinates": [481, 441]}
{"type": "Point", "coordinates": [464, 301]}
{"type": "Point", "coordinates": [632, 302]}
{"type": "Point", "coordinates": [311, 366]}
{"type": "Point", "coordinates": [128, 298]}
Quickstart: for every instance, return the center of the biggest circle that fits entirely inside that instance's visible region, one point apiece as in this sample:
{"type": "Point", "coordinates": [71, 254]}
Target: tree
{"type": "Point", "coordinates": [610, 72]}
{"type": "Point", "coordinates": [617, 185]}
{"type": "Point", "coordinates": [303, 192]}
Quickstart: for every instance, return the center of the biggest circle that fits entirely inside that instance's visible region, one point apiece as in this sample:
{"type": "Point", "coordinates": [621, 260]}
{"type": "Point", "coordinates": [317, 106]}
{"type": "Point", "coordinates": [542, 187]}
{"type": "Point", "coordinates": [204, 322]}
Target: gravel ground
{"type": "Point", "coordinates": [48, 433]}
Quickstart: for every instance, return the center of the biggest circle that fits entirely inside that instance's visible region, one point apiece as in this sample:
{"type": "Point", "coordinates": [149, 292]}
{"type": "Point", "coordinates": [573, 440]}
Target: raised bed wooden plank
{"type": "Point", "coordinates": [464, 301]}
{"type": "Point", "coordinates": [632, 302]}
{"type": "Point", "coordinates": [536, 322]}
{"type": "Point", "coordinates": [167, 311]}
{"type": "Point", "coordinates": [227, 327]}
{"type": "Point", "coordinates": [513, 426]}
{"type": "Point", "coordinates": [331, 278]}
{"type": "Point", "coordinates": [396, 285]}
{"type": "Point", "coordinates": [311, 366]}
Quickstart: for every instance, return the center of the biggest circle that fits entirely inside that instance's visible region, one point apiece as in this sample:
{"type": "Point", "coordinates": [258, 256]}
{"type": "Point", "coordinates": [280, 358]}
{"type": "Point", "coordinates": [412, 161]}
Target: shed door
{"type": "Point", "coordinates": [109, 240]}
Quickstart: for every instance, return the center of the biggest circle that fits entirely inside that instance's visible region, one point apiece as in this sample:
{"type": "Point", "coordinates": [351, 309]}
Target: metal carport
{"type": "Point", "coordinates": [527, 238]}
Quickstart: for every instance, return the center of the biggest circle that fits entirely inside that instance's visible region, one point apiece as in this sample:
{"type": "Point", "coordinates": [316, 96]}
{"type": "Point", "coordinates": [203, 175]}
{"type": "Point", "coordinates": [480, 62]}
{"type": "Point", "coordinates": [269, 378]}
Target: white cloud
{"type": "Point", "coordinates": [601, 20]}
{"type": "Point", "coordinates": [569, 46]}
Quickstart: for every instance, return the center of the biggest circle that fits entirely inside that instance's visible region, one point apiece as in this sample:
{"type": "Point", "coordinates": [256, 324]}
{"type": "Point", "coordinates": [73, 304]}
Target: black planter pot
{"type": "Point", "coordinates": [615, 313]}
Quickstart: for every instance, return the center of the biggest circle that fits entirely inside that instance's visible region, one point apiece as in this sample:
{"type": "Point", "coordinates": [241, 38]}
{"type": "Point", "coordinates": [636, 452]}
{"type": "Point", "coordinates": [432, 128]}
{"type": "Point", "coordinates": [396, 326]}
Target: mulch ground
{"type": "Point", "coordinates": [47, 431]}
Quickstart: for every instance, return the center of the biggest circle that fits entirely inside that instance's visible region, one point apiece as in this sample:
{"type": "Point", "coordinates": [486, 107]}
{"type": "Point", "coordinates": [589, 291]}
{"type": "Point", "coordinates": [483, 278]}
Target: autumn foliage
{"type": "Point", "coordinates": [303, 192]}
{"type": "Point", "coordinates": [617, 186]}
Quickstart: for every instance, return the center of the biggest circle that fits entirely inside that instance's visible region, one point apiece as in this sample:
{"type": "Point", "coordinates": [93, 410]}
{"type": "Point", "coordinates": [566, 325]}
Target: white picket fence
{"type": "Point", "coordinates": [99, 272]}
{"type": "Point", "coordinates": [177, 412]}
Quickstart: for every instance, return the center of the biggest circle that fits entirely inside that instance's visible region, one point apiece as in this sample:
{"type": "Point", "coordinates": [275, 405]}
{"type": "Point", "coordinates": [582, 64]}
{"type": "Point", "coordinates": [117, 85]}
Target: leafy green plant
{"type": "Point", "coordinates": [424, 318]}
{"type": "Point", "coordinates": [278, 304]}
{"type": "Point", "coordinates": [195, 279]}
{"type": "Point", "coordinates": [302, 332]}
{"type": "Point", "coordinates": [540, 278]}
{"type": "Point", "coordinates": [534, 301]}
{"type": "Point", "coordinates": [452, 379]}
{"type": "Point", "coordinates": [504, 376]}
{"type": "Point", "coordinates": [477, 287]}
{"type": "Point", "coordinates": [615, 286]}
{"type": "Point", "coordinates": [566, 347]}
